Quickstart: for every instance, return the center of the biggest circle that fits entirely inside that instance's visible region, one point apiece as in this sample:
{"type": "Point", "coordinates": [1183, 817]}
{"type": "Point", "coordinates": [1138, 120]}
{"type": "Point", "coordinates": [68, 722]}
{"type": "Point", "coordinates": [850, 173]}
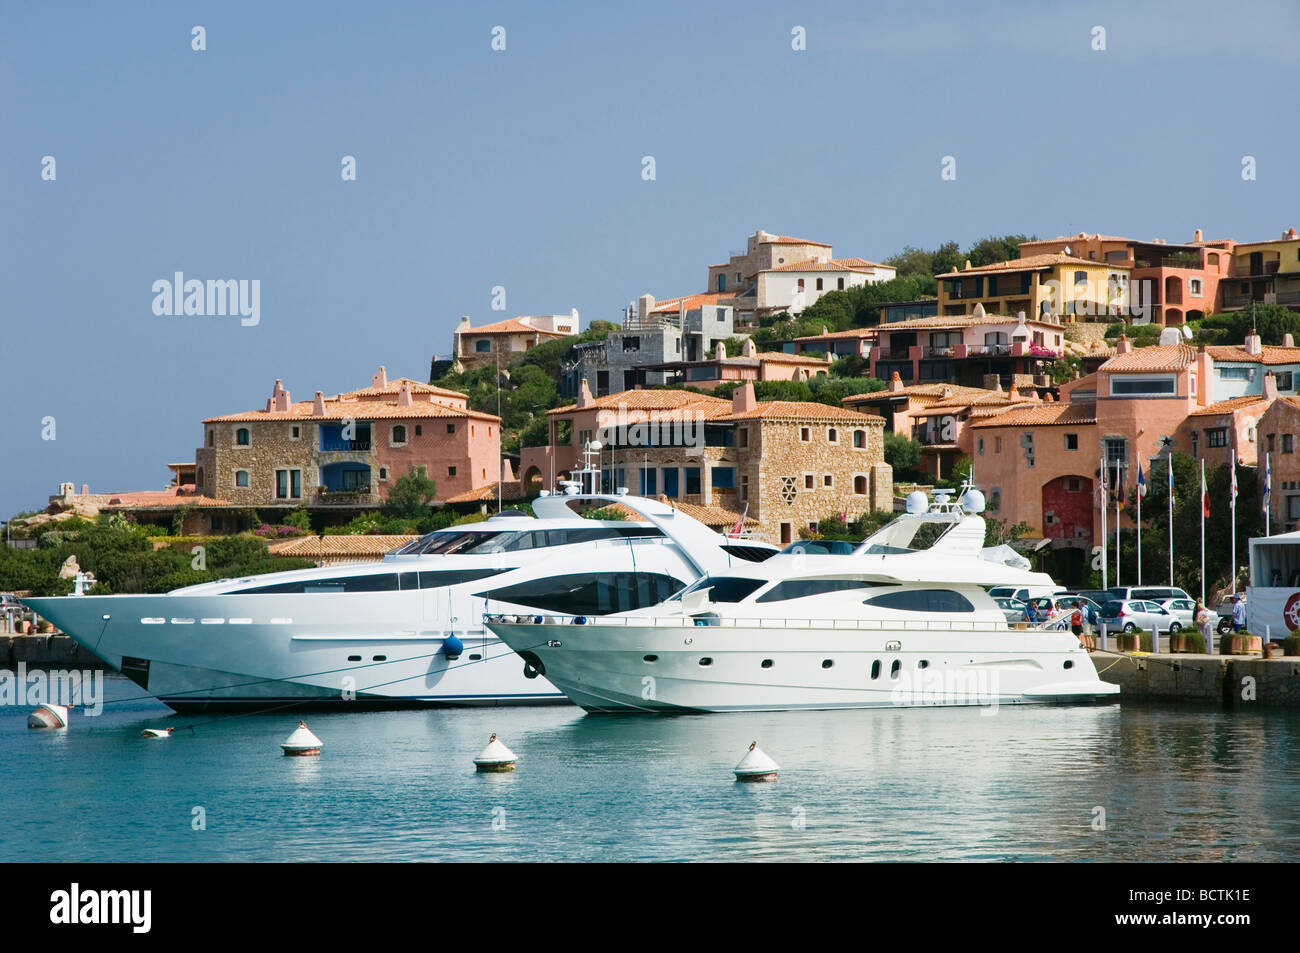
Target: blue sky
{"type": "Point", "coordinates": [522, 169]}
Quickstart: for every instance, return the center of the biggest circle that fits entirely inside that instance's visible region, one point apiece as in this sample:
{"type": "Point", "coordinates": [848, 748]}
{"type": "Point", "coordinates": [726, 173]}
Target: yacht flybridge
{"type": "Point", "coordinates": [902, 620]}
{"type": "Point", "coordinates": [407, 630]}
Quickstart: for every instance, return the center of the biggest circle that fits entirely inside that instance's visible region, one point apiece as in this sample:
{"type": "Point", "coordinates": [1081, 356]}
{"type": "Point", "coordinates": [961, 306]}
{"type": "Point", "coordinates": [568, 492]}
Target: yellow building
{"type": "Point", "coordinates": [1058, 284]}
{"type": "Point", "coordinates": [1264, 273]}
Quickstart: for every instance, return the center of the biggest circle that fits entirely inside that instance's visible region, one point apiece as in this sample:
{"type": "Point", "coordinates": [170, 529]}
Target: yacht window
{"type": "Point", "coordinates": [478, 542]}
{"type": "Point", "coordinates": [802, 588]}
{"type": "Point", "coordinates": [375, 582]}
{"type": "Point", "coordinates": [726, 588]}
{"type": "Point", "coordinates": [455, 577]}
{"type": "Point", "coordinates": [822, 547]}
{"type": "Point", "coordinates": [589, 593]}
{"type": "Point", "coordinates": [875, 669]}
{"type": "Point", "coordinates": [753, 554]}
{"type": "Point", "coordinates": [922, 600]}
{"type": "Point", "coordinates": [895, 668]}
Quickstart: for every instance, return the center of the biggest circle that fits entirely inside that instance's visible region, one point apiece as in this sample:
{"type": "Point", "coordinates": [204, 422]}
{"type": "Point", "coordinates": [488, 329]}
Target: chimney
{"type": "Point", "coordinates": [1254, 344]}
{"type": "Point", "coordinates": [1049, 398]}
{"type": "Point", "coordinates": [508, 471]}
{"type": "Point", "coordinates": [644, 305]}
{"type": "Point", "coordinates": [720, 351]}
{"type": "Point", "coordinates": [318, 405]}
{"type": "Point", "coordinates": [978, 311]}
{"type": "Point", "coordinates": [895, 382]}
{"type": "Point", "coordinates": [750, 350]}
{"type": "Point", "coordinates": [1288, 340]}
{"type": "Point", "coordinates": [1197, 236]}
{"type": "Point", "coordinates": [381, 379]}
{"type": "Point", "coordinates": [1289, 234]}
{"type": "Point", "coordinates": [464, 323]}
{"type": "Point", "coordinates": [967, 266]}
{"type": "Point", "coordinates": [279, 398]}
{"type": "Point", "coordinates": [743, 400]}
{"type": "Point", "coordinates": [1123, 345]}
{"type": "Point", "coordinates": [1270, 386]}
{"type": "Point", "coordinates": [584, 394]}
{"type": "Point", "coordinates": [1014, 393]}
{"type": "Point", "coordinates": [85, 489]}
{"type": "Point", "coordinates": [404, 398]}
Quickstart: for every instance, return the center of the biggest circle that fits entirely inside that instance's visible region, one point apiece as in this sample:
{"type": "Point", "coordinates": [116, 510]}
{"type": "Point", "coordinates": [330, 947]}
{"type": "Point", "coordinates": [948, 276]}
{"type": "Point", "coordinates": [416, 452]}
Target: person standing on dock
{"type": "Point", "coordinates": [1238, 613]}
{"type": "Point", "coordinates": [1076, 619]}
{"type": "Point", "coordinates": [1204, 624]}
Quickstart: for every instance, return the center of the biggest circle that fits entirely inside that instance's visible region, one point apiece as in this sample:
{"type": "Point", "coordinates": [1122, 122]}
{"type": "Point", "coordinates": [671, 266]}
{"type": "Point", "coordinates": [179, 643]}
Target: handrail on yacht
{"type": "Point", "coordinates": [689, 622]}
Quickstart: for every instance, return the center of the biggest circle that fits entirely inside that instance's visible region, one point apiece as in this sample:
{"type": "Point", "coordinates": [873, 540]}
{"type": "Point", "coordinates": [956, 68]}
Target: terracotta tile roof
{"type": "Point", "coordinates": [850, 333]}
{"type": "Point", "coordinates": [963, 321]}
{"type": "Point", "coordinates": [924, 393]}
{"type": "Point", "coordinates": [691, 302]}
{"type": "Point", "coordinates": [308, 547]}
{"type": "Point", "coordinates": [488, 493]}
{"type": "Point", "coordinates": [834, 264]}
{"type": "Point", "coordinates": [654, 400]}
{"type": "Point", "coordinates": [787, 240]}
{"type": "Point", "coordinates": [1078, 238]}
{"type": "Point", "coordinates": [395, 385]}
{"type": "Point", "coordinates": [1045, 415]}
{"type": "Point", "coordinates": [803, 410]}
{"type": "Point", "coordinates": [340, 408]}
{"type": "Point", "coordinates": [1156, 357]}
{"type": "Point", "coordinates": [995, 410]}
{"type": "Point", "coordinates": [1032, 263]}
{"type": "Point", "coordinates": [712, 515]}
{"type": "Point", "coordinates": [994, 400]}
{"type": "Point", "coordinates": [168, 498]}
{"type": "Point", "coordinates": [780, 357]}
{"type": "Point", "coordinates": [518, 325]}
{"type": "Point", "coordinates": [1270, 354]}
{"type": "Point", "coordinates": [1231, 405]}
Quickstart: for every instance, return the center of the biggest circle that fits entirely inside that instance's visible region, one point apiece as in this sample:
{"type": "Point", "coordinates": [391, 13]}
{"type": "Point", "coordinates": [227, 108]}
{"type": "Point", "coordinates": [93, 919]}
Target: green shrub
{"type": "Point", "coordinates": [1195, 641]}
{"type": "Point", "coordinates": [1291, 644]}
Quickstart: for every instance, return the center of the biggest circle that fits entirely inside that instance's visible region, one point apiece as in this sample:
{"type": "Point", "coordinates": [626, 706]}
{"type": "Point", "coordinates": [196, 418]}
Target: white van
{"type": "Point", "coordinates": [1025, 593]}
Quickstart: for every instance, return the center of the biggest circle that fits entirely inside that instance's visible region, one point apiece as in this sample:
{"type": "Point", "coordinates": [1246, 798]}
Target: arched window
{"type": "Point", "coordinates": [242, 437]}
{"type": "Point", "coordinates": [860, 485]}
{"type": "Point", "coordinates": [859, 439]}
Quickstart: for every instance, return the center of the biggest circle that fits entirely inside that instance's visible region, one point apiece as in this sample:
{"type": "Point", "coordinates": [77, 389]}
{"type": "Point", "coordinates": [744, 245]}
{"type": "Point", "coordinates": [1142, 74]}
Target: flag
{"type": "Point", "coordinates": [740, 523]}
{"type": "Point", "coordinates": [1170, 474]}
{"type": "Point", "coordinates": [1205, 494]}
{"type": "Point", "coordinates": [1103, 488]}
{"type": "Point", "coordinates": [1268, 482]}
{"type": "Point", "coordinates": [1142, 483]}
{"type": "Point", "coordinates": [1233, 467]}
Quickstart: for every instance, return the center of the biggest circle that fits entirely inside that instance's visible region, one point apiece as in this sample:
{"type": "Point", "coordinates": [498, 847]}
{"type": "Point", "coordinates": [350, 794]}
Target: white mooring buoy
{"type": "Point", "coordinates": [157, 733]}
{"type": "Point", "coordinates": [495, 757]}
{"type": "Point", "coordinates": [48, 716]}
{"type": "Point", "coordinates": [756, 766]}
{"type": "Point", "coordinates": [302, 742]}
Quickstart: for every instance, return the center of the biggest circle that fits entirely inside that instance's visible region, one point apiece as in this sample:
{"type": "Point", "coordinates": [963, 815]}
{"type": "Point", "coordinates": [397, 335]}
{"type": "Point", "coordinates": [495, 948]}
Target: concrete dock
{"type": "Point", "coordinates": [1233, 681]}
{"type": "Point", "coordinates": [45, 651]}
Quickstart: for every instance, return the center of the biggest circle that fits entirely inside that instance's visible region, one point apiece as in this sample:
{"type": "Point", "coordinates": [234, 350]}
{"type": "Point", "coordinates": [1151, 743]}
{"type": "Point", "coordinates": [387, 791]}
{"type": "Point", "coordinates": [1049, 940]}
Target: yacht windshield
{"type": "Point", "coordinates": [462, 542]}
{"type": "Point", "coordinates": [723, 588]}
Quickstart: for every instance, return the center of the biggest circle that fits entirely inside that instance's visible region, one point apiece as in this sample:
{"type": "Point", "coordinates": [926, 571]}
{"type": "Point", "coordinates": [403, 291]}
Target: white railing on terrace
{"type": "Point", "coordinates": [689, 622]}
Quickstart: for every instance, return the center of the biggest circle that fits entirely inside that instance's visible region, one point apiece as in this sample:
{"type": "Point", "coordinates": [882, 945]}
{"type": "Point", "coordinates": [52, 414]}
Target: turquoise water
{"type": "Point", "coordinates": [922, 784]}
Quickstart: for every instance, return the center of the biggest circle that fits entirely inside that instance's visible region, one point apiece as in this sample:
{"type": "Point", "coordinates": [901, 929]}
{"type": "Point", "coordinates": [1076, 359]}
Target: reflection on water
{"type": "Point", "coordinates": [1171, 783]}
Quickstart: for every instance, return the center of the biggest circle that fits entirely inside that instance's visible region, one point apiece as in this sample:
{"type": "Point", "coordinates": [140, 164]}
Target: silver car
{"type": "Point", "coordinates": [1184, 609]}
{"type": "Point", "coordinates": [1013, 609]}
{"type": "Point", "coordinates": [1130, 614]}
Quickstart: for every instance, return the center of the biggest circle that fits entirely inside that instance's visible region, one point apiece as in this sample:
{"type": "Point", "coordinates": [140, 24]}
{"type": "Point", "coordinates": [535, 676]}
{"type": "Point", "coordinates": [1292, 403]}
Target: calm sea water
{"type": "Point", "coordinates": [1176, 783]}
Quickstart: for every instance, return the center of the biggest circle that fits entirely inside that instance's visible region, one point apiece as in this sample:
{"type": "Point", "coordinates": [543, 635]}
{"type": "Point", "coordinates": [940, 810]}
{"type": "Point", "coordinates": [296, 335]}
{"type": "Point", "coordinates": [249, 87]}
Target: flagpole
{"type": "Point", "coordinates": [1268, 491]}
{"type": "Point", "coordinates": [1233, 472]}
{"type": "Point", "coordinates": [1117, 517]}
{"type": "Point", "coordinates": [1170, 480]}
{"type": "Point", "coordinates": [1202, 509]}
{"type": "Point", "coordinates": [1140, 485]}
{"type": "Point", "coordinates": [1105, 556]}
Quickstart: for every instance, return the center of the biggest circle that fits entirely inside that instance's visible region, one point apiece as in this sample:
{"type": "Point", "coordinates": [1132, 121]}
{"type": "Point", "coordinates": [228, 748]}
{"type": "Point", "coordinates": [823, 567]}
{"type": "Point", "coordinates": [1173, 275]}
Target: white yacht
{"type": "Point", "coordinates": [406, 630]}
{"type": "Point", "coordinates": [904, 619]}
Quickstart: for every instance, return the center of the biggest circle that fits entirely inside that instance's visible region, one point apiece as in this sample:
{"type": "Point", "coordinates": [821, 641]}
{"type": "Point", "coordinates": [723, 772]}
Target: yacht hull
{"type": "Point", "coordinates": [676, 666]}
{"type": "Point", "coordinates": [224, 651]}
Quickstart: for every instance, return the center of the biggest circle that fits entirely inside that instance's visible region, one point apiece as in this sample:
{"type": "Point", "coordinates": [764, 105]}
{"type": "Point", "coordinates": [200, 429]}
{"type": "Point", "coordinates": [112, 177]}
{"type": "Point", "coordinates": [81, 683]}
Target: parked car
{"type": "Point", "coordinates": [1130, 614]}
{"type": "Point", "coordinates": [9, 601]}
{"type": "Point", "coordinates": [1098, 596]}
{"type": "Point", "coordinates": [1024, 593]}
{"type": "Point", "coordinates": [1013, 609]}
{"type": "Point", "coordinates": [1224, 610]}
{"type": "Point", "coordinates": [1154, 593]}
{"type": "Point", "coordinates": [1063, 603]}
{"type": "Point", "coordinates": [1184, 609]}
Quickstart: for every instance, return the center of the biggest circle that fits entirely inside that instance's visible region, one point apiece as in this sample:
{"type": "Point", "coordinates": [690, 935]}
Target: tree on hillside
{"type": "Point", "coordinates": [994, 249]}
{"type": "Point", "coordinates": [1271, 321]}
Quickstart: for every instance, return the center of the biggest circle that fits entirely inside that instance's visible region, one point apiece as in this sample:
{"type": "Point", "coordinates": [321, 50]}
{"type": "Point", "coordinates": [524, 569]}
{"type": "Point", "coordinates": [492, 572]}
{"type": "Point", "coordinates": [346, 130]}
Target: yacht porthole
{"type": "Point", "coordinates": [380, 658]}
{"type": "Point", "coordinates": [706, 661]}
{"type": "Point", "coordinates": [354, 658]}
{"type": "Point", "coordinates": [923, 663]}
{"type": "Point", "coordinates": [894, 669]}
{"type": "Point", "coordinates": [767, 663]}
{"type": "Point", "coordinates": [1069, 664]}
{"type": "Point", "coordinates": [650, 659]}
{"type": "Point", "coordinates": [827, 663]}
{"type": "Point", "coordinates": [875, 669]}
{"type": "Point", "coordinates": [476, 658]}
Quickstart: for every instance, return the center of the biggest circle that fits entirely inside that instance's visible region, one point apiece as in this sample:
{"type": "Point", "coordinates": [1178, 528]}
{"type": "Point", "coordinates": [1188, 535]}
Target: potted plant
{"type": "Point", "coordinates": [1291, 644]}
{"type": "Point", "coordinates": [1241, 643]}
{"type": "Point", "coordinates": [1187, 641]}
{"type": "Point", "coordinates": [1132, 641]}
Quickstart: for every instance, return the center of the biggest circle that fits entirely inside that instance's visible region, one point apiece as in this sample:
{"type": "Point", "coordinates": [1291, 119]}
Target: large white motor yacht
{"type": "Point", "coordinates": [407, 630]}
{"type": "Point", "coordinates": [904, 619]}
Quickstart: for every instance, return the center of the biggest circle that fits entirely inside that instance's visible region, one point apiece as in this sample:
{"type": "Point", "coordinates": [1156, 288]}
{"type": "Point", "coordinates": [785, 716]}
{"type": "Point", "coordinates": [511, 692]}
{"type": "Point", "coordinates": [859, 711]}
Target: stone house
{"type": "Point", "coordinates": [501, 341]}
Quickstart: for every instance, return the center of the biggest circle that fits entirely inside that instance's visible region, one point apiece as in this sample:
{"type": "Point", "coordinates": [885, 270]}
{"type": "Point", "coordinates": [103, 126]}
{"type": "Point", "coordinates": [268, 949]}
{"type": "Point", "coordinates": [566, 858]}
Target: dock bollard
{"type": "Point", "coordinates": [302, 742]}
{"type": "Point", "coordinates": [495, 757]}
{"type": "Point", "coordinates": [756, 766]}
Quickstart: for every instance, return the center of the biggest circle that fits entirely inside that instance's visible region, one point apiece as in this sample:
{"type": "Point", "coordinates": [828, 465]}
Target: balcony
{"type": "Point", "coordinates": [1176, 261]}
{"type": "Point", "coordinates": [893, 354]}
{"type": "Point", "coordinates": [358, 496]}
{"type": "Point", "coordinates": [1241, 268]}
{"type": "Point", "coordinates": [927, 352]}
{"type": "Point", "coordinates": [989, 350]}
{"type": "Point", "coordinates": [338, 445]}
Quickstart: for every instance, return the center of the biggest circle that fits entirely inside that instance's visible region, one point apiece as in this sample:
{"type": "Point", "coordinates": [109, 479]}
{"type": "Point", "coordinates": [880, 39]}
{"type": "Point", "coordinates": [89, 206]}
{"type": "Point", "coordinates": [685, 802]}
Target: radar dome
{"type": "Point", "coordinates": [917, 502]}
{"type": "Point", "coordinates": [972, 501]}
